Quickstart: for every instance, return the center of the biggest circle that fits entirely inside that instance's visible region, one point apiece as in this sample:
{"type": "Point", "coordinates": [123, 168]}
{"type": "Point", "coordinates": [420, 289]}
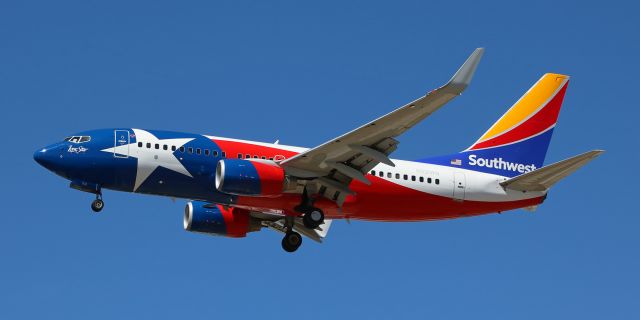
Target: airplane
{"type": "Point", "coordinates": [235, 187]}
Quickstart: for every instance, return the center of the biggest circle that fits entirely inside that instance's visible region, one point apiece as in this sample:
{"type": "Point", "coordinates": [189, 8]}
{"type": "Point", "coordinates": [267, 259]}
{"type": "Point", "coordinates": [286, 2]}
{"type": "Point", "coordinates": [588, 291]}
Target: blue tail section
{"type": "Point", "coordinates": [509, 161]}
{"type": "Point", "coordinates": [517, 143]}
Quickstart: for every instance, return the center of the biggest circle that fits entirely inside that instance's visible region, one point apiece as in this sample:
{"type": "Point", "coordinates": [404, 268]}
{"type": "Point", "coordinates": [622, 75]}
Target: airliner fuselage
{"type": "Point", "coordinates": [183, 165]}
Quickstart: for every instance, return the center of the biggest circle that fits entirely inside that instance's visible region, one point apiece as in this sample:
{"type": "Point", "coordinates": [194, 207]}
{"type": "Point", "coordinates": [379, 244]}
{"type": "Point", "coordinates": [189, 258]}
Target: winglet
{"type": "Point", "coordinates": [463, 76]}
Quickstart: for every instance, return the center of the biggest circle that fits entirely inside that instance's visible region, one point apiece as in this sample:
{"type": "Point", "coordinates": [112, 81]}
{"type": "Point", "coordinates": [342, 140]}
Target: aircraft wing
{"type": "Point", "coordinates": [332, 165]}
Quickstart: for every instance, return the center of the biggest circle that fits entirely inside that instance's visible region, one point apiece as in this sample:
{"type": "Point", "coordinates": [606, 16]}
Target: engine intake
{"type": "Point", "coordinates": [250, 178]}
{"type": "Point", "coordinates": [209, 218]}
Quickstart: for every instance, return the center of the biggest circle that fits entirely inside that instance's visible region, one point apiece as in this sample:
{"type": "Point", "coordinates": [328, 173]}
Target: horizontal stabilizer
{"type": "Point", "coordinates": [545, 177]}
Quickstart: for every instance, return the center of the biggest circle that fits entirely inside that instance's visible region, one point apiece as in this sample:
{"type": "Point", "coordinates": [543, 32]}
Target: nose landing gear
{"type": "Point", "coordinates": [97, 204]}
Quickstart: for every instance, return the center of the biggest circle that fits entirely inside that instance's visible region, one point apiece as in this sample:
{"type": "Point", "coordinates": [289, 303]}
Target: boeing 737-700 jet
{"type": "Point", "coordinates": [238, 186]}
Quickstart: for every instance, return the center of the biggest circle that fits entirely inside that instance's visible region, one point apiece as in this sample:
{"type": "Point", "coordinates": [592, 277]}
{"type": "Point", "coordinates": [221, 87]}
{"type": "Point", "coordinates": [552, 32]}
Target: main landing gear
{"type": "Point", "coordinates": [292, 240]}
{"type": "Point", "coordinates": [97, 204]}
{"type": "Point", "coordinates": [312, 218]}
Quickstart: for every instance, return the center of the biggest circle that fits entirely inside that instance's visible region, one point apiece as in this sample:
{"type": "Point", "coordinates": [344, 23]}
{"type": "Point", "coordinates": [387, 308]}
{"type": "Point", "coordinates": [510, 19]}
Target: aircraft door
{"type": "Point", "coordinates": [121, 143]}
{"type": "Point", "coordinates": [459, 186]}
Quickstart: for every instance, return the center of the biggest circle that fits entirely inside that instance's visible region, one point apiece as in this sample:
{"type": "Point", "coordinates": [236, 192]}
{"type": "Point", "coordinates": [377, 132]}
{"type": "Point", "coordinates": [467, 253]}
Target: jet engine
{"type": "Point", "coordinates": [251, 178]}
{"type": "Point", "coordinates": [210, 218]}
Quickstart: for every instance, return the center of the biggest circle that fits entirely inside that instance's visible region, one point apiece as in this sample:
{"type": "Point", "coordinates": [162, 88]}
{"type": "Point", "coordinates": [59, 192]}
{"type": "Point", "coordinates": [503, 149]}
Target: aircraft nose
{"type": "Point", "coordinates": [46, 157]}
{"type": "Point", "coordinates": [40, 156]}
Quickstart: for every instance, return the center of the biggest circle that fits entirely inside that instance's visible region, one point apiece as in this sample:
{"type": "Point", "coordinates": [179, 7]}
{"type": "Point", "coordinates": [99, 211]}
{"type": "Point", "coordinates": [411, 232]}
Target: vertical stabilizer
{"type": "Point", "coordinates": [517, 143]}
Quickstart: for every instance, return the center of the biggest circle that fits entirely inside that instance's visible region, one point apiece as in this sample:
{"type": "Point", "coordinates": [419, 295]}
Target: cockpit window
{"type": "Point", "coordinates": [78, 139]}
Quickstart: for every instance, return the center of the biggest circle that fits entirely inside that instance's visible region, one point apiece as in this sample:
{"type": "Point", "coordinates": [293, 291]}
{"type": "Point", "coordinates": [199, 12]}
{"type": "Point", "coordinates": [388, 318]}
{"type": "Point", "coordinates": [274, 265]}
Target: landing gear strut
{"type": "Point", "coordinates": [97, 204]}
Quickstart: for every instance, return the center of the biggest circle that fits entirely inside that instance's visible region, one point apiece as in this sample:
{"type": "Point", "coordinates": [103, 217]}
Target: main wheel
{"type": "Point", "coordinates": [313, 218]}
{"type": "Point", "coordinates": [97, 205]}
{"type": "Point", "coordinates": [291, 241]}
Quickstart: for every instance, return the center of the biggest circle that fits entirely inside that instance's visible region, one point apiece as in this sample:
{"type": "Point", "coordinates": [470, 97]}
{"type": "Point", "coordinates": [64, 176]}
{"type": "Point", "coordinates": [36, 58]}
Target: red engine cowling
{"type": "Point", "coordinates": [250, 178]}
{"type": "Point", "coordinates": [209, 218]}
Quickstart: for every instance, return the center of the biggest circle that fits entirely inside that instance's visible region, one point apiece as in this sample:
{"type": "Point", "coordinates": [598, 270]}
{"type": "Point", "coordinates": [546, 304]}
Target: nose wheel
{"type": "Point", "coordinates": [97, 204]}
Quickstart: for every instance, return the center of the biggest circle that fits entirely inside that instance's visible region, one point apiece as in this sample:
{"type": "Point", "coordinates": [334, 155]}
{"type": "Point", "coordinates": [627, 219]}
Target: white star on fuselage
{"type": "Point", "coordinates": [151, 158]}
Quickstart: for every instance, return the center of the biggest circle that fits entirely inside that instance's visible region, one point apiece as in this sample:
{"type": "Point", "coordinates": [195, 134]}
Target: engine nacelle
{"type": "Point", "coordinates": [209, 218]}
{"type": "Point", "coordinates": [250, 178]}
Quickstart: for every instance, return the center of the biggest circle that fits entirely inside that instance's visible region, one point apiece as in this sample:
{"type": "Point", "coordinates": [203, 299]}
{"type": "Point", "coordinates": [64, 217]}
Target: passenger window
{"type": "Point", "coordinates": [182, 149]}
{"type": "Point", "coordinates": [263, 158]}
{"type": "Point", "coordinates": [190, 150]}
{"type": "Point", "coordinates": [239, 155]}
{"type": "Point", "coordinates": [428, 180]}
{"type": "Point", "coordinates": [437, 181]}
{"type": "Point", "coordinates": [206, 152]}
{"type": "Point", "coordinates": [165, 147]}
{"type": "Point", "coordinates": [421, 179]}
{"type": "Point", "coordinates": [215, 153]}
{"type": "Point", "coordinates": [198, 151]}
{"type": "Point", "coordinates": [148, 145]}
{"type": "Point", "coordinates": [256, 157]}
{"type": "Point", "coordinates": [373, 172]}
{"type": "Point", "coordinates": [381, 174]}
{"type": "Point", "coordinates": [139, 144]}
{"type": "Point", "coordinates": [389, 175]}
{"type": "Point", "coordinates": [406, 177]}
{"type": "Point", "coordinates": [271, 158]}
{"type": "Point", "coordinates": [173, 148]}
{"type": "Point", "coordinates": [157, 146]}
{"type": "Point", "coordinates": [413, 178]}
{"type": "Point", "coordinates": [397, 176]}
{"type": "Point", "coordinates": [247, 156]}
{"type": "Point", "coordinates": [224, 154]}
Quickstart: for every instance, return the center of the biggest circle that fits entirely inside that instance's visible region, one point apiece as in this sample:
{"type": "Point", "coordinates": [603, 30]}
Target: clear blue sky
{"type": "Point", "coordinates": [304, 73]}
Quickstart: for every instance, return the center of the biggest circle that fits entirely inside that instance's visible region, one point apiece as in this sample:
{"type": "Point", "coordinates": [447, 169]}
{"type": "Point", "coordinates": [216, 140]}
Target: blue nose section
{"type": "Point", "coordinates": [47, 157]}
{"type": "Point", "coordinates": [40, 156]}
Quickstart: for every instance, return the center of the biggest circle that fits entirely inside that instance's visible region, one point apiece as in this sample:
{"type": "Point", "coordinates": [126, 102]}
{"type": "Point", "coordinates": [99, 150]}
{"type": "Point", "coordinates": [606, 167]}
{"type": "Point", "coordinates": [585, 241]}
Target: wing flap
{"type": "Point", "coordinates": [316, 235]}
